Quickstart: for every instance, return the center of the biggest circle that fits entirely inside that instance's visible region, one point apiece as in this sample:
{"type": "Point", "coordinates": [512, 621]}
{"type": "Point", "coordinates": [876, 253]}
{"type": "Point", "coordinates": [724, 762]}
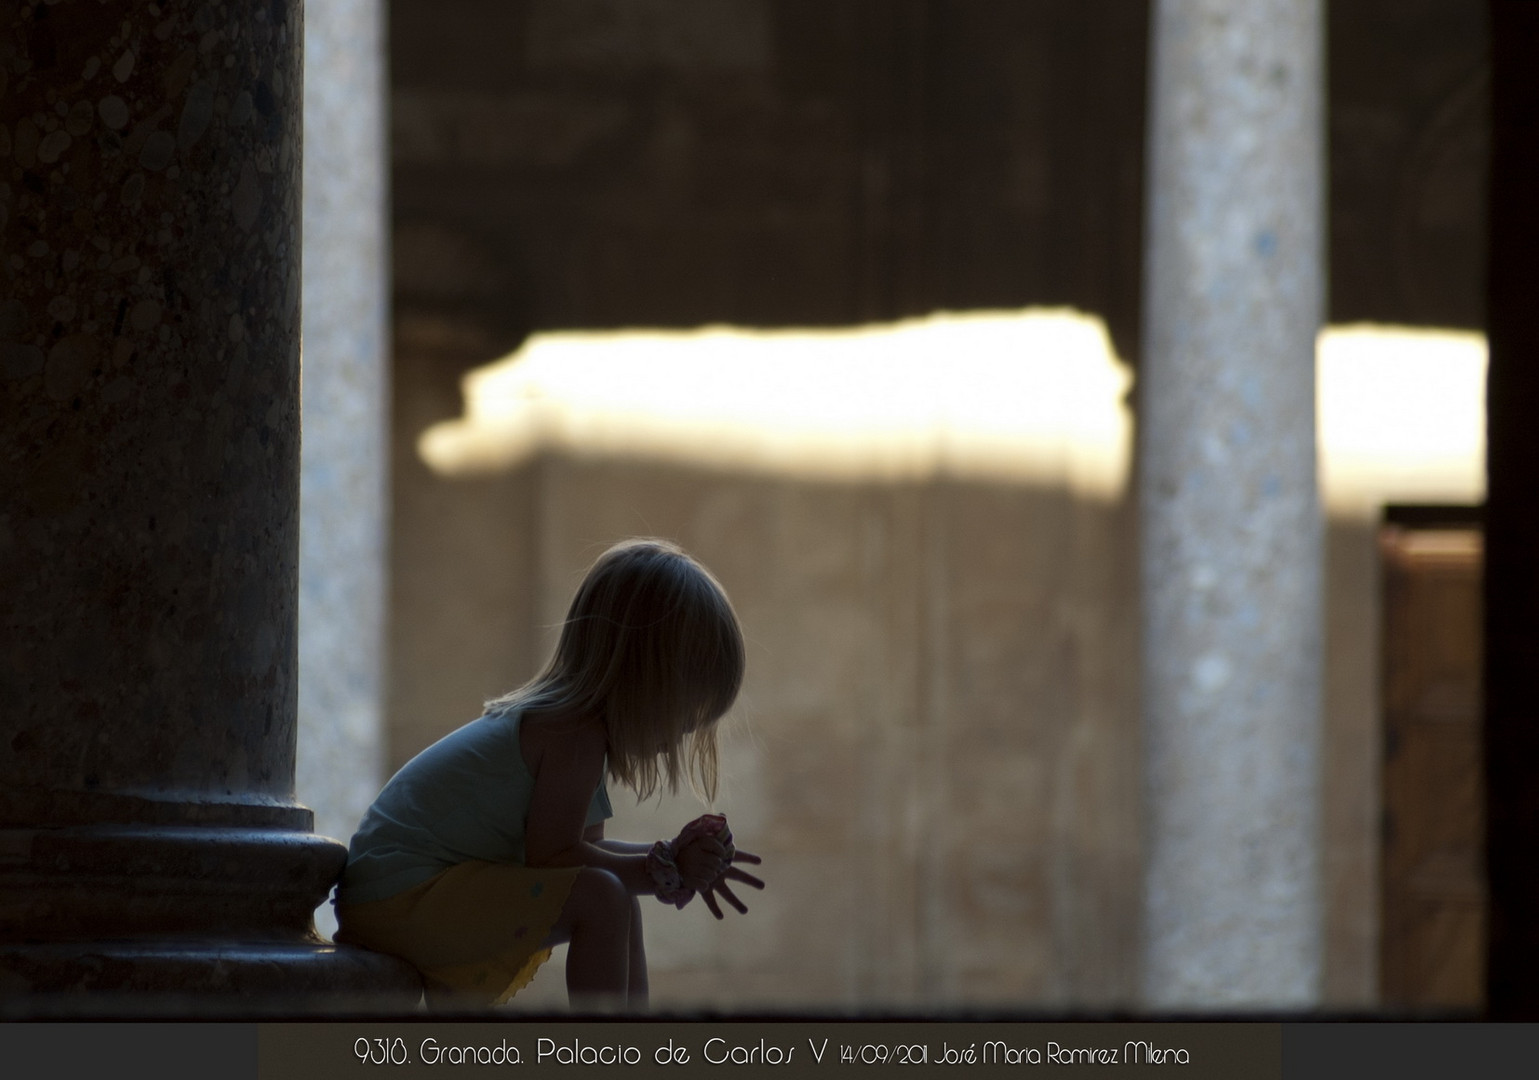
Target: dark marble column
{"type": "Point", "coordinates": [149, 352]}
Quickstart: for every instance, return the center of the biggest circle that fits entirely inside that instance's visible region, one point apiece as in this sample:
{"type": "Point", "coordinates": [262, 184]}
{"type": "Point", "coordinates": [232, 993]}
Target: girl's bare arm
{"type": "Point", "coordinates": [569, 770]}
{"type": "Point", "coordinates": [595, 835]}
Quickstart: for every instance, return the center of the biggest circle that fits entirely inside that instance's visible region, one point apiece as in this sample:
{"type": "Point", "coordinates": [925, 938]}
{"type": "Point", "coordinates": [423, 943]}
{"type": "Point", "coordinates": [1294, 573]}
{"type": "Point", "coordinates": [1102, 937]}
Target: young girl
{"type": "Point", "coordinates": [488, 848]}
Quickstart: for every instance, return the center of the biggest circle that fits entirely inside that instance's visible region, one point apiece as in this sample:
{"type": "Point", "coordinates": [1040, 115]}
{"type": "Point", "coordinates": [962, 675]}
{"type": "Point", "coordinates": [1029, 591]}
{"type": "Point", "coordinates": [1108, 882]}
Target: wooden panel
{"type": "Point", "coordinates": [1433, 874]}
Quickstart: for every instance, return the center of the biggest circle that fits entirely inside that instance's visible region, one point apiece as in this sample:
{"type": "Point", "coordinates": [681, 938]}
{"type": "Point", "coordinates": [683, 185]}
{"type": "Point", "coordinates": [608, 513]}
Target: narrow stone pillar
{"type": "Point", "coordinates": [149, 347]}
{"type": "Point", "coordinates": [1231, 527]}
{"type": "Point", "coordinates": [343, 459]}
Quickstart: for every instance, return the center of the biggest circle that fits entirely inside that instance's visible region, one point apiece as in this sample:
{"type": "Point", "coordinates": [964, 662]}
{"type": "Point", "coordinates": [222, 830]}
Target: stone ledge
{"type": "Point", "coordinates": [41, 807]}
{"type": "Point", "coordinates": [201, 978]}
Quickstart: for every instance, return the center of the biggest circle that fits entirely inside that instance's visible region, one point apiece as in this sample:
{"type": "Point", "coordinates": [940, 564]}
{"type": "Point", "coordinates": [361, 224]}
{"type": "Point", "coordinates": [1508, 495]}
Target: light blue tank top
{"type": "Point", "coordinates": [465, 797]}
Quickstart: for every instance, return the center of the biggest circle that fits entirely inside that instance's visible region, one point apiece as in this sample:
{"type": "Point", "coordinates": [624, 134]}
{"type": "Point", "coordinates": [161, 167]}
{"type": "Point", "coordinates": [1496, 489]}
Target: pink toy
{"type": "Point", "coordinates": [662, 860]}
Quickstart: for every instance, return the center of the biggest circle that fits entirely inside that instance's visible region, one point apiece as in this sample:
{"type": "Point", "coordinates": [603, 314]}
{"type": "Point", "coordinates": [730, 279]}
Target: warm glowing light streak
{"type": "Point", "coordinates": [1033, 396]}
{"type": "Point", "coordinates": [1401, 417]}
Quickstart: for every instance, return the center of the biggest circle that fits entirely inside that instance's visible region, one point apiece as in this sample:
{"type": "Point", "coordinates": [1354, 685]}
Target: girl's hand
{"type": "Point", "coordinates": [731, 873]}
{"type": "Point", "coordinates": [701, 861]}
{"type": "Point", "coordinates": [702, 851]}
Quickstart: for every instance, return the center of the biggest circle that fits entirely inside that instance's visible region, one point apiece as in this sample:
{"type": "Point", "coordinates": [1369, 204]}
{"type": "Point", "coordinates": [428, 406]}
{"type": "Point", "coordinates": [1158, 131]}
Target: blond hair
{"type": "Point", "coordinates": [651, 644]}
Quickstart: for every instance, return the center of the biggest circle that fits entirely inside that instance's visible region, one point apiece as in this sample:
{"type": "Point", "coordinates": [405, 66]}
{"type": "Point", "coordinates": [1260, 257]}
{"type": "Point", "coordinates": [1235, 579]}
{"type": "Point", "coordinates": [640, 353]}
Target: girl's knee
{"type": "Point", "coordinates": [601, 893]}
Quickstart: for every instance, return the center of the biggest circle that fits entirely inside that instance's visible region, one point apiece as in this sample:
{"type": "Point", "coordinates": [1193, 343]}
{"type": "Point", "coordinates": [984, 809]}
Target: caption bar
{"type": "Point", "coordinates": [680, 1048]}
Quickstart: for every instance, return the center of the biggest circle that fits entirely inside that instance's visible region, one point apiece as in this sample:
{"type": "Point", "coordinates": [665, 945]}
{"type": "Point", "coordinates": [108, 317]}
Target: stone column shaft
{"type": "Point", "coordinates": [345, 413]}
{"type": "Point", "coordinates": [1231, 529]}
{"type": "Point", "coordinates": [149, 352]}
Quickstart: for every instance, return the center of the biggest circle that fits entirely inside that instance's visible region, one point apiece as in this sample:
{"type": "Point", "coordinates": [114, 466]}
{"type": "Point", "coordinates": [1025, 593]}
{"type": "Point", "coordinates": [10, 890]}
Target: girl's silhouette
{"type": "Point", "coordinates": [488, 848]}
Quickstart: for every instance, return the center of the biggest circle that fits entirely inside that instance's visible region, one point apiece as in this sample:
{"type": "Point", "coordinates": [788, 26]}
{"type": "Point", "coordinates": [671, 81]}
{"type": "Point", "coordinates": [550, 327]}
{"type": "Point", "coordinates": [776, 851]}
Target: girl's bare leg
{"type": "Point", "coordinates": [597, 921]}
{"type": "Point", "coordinates": [636, 990]}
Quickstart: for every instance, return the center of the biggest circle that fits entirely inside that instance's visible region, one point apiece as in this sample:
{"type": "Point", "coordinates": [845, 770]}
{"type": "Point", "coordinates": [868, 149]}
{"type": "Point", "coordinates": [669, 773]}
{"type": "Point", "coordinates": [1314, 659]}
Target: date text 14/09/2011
{"type": "Point", "coordinates": [998, 1052]}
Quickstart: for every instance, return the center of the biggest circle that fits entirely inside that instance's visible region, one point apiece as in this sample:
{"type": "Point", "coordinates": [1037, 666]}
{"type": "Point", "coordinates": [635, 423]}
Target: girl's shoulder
{"type": "Point", "coordinates": [543, 736]}
{"type": "Point", "coordinates": [480, 740]}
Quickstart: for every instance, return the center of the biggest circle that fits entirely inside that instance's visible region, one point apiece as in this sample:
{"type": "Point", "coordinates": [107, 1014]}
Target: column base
{"type": "Point", "coordinates": [201, 978]}
{"type": "Point", "coordinates": [129, 881]}
{"type": "Point", "coordinates": [196, 920]}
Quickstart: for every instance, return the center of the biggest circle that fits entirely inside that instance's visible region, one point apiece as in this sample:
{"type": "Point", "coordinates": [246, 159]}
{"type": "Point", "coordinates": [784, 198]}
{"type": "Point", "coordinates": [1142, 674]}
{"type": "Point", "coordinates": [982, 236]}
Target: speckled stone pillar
{"type": "Point", "coordinates": [149, 347]}
{"type": "Point", "coordinates": [1231, 527]}
{"type": "Point", "coordinates": [342, 464]}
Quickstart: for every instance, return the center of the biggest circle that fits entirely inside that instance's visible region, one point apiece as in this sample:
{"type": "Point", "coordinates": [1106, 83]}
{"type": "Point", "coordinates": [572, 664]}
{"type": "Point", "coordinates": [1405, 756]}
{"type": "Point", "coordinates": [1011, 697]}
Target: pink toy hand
{"type": "Point", "coordinates": [701, 861]}
{"type": "Point", "coordinates": [702, 850]}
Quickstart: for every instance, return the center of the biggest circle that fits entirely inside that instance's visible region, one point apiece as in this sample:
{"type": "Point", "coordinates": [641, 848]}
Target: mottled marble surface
{"type": "Point", "coordinates": [343, 463]}
{"type": "Point", "coordinates": [343, 514]}
{"type": "Point", "coordinates": [149, 347]}
{"type": "Point", "coordinates": [1231, 521]}
{"type": "Point", "coordinates": [149, 350]}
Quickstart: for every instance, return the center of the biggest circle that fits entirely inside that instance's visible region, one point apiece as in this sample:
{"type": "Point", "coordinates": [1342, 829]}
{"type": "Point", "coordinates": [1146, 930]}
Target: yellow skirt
{"type": "Point", "coordinates": [475, 931]}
